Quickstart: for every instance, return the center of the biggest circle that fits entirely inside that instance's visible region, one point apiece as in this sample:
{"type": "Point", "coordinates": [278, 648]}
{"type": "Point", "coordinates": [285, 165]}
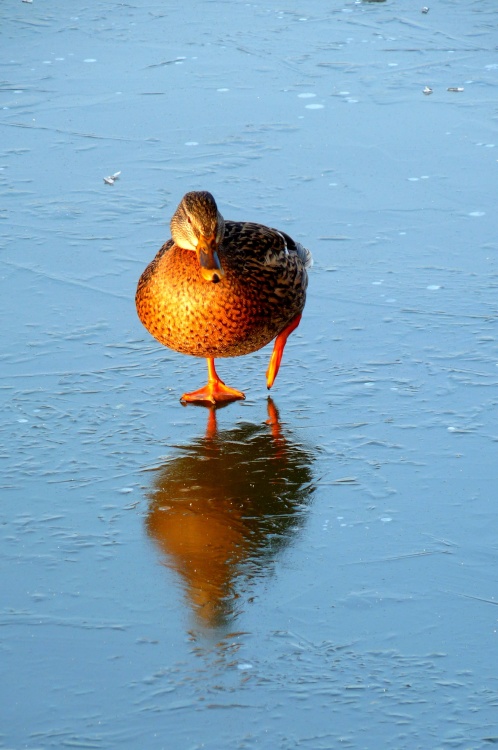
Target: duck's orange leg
{"type": "Point", "coordinates": [215, 391]}
{"type": "Point", "coordinates": [278, 350]}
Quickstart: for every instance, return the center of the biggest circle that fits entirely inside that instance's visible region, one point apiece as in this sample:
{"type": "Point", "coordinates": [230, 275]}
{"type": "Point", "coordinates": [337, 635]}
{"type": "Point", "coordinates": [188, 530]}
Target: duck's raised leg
{"type": "Point", "coordinates": [278, 350]}
{"type": "Point", "coordinates": [215, 391]}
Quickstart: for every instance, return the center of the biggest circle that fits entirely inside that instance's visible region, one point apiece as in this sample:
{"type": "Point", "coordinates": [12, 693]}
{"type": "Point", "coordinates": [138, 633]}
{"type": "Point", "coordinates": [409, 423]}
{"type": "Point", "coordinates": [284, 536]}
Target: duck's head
{"type": "Point", "coordinates": [198, 225]}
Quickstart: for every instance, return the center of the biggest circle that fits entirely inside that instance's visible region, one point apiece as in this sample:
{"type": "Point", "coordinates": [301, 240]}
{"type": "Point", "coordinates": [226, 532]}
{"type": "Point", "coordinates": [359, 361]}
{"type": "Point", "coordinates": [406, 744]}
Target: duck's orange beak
{"type": "Point", "coordinates": [207, 253]}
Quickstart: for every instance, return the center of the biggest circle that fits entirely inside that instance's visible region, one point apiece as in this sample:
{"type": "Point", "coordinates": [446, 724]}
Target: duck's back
{"type": "Point", "coordinates": [263, 288]}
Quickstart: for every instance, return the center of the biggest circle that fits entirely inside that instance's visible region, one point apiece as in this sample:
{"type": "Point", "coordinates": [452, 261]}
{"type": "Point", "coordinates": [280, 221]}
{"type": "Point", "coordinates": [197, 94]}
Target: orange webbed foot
{"type": "Point", "coordinates": [278, 350]}
{"type": "Point", "coordinates": [214, 392]}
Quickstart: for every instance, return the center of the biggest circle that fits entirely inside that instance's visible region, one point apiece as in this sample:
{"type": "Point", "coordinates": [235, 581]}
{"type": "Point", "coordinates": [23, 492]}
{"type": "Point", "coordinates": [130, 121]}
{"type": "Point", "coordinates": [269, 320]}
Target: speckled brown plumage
{"type": "Point", "coordinates": [263, 286]}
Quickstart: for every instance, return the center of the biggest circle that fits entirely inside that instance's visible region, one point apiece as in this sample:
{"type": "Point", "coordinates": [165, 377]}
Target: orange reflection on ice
{"type": "Point", "coordinates": [222, 510]}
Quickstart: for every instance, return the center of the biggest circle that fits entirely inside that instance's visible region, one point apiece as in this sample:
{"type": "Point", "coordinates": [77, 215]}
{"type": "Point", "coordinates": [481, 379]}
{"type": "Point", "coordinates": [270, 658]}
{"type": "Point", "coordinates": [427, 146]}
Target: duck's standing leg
{"type": "Point", "coordinates": [215, 391]}
{"type": "Point", "coordinates": [278, 350]}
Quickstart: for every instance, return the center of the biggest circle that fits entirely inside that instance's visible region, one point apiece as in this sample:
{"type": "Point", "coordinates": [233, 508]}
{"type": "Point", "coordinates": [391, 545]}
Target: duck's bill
{"type": "Point", "coordinates": [208, 259]}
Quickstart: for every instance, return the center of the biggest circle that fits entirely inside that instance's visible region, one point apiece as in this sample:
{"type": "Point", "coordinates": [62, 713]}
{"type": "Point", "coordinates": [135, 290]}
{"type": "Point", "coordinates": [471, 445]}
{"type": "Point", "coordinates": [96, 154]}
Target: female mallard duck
{"type": "Point", "coordinates": [222, 289]}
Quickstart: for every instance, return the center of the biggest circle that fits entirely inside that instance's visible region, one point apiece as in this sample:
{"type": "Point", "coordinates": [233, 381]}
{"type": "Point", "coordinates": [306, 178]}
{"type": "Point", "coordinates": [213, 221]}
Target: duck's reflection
{"type": "Point", "coordinates": [222, 510]}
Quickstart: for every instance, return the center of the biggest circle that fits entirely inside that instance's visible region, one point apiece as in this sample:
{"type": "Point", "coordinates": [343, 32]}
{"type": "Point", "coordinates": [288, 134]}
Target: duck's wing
{"type": "Point", "coordinates": [295, 247]}
{"type": "Point", "coordinates": [261, 245]}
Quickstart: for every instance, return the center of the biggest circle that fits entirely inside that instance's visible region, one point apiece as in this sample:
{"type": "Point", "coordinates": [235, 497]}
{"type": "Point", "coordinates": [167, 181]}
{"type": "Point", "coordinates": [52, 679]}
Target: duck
{"type": "Point", "coordinates": [222, 288]}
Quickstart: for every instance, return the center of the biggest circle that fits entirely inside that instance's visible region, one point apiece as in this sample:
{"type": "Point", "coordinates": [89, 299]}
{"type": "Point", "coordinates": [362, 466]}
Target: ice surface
{"type": "Point", "coordinates": [318, 571]}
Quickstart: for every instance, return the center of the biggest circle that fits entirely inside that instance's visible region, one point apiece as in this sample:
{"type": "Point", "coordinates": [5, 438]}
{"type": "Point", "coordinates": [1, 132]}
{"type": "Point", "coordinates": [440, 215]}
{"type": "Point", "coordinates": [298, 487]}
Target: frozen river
{"type": "Point", "coordinates": [314, 571]}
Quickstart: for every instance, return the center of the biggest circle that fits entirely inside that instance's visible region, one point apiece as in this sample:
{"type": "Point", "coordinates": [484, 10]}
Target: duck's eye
{"type": "Point", "coordinates": [189, 220]}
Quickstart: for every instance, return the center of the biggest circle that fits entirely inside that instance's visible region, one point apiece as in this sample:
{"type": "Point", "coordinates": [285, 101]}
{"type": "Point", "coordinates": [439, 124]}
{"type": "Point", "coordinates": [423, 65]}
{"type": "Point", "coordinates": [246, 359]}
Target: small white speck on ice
{"type": "Point", "coordinates": [314, 106]}
{"type": "Point", "coordinates": [111, 179]}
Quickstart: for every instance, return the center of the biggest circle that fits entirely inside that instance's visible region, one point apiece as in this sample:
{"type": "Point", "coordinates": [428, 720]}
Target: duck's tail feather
{"type": "Point", "coordinates": [305, 255]}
